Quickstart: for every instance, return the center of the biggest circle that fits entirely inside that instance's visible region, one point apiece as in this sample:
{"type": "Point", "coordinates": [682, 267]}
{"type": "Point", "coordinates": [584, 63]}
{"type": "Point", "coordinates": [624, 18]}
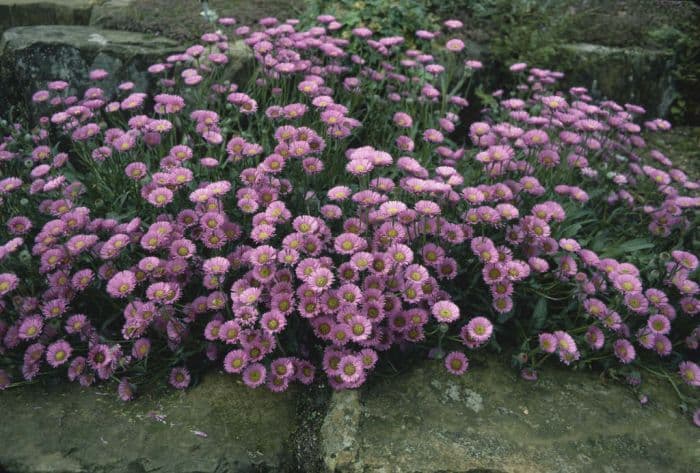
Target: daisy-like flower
{"type": "Point", "coordinates": [349, 243]}
{"type": "Point", "coordinates": [160, 196]}
{"type": "Point", "coordinates": [565, 342]}
{"type": "Point", "coordinates": [229, 332]}
{"type": "Point", "coordinates": [595, 337]}
{"type": "Point", "coordinates": [350, 368]}
{"type": "Point", "coordinates": [320, 279]}
{"type": "Point", "coordinates": [548, 342]}
{"type": "Point", "coordinates": [360, 328]}
{"type": "Point", "coordinates": [254, 375]}
{"type": "Point", "coordinates": [445, 311]}
{"type": "Point", "coordinates": [58, 353]}
{"type": "Point", "coordinates": [273, 322]}
{"type": "Point", "coordinates": [659, 324]}
{"type": "Point", "coordinates": [179, 378]}
{"type": "Point", "coordinates": [8, 283]}
{"type": "Point", "coordinates": [359, 166]}
{"type": "Point", "coordinates": [235, 361]}
{"type": "Point", "coordinates": [121, 284]}
{"type": "Point", "coordinates": [454, 45]}
{"type": "Point", "coordinates": [125, 390]}
{"type": "Point", "coordinates": [690, 373]}
{"type": "Point", "coordinates": [141, 348]}
{"type": "Point", "coordinates": [99, 356]}
{"type": "Point", "coordinates": [687, 260]}
{"type": "Point", "coordinates": [456, 363]}
{"type": "Point", "coordinates": [480, 329]}
{"type": "Point", "coordinates": [216, 265]}
{"type": "Point", "coordinates": [627, 283]}
{"type": "Point", "coordinates": [31, 327]}
{"type": "Point", "coordinates": [624, 350]}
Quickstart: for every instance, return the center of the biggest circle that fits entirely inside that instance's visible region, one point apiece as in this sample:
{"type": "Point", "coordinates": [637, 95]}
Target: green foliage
{"type": "Point", "coordinates": [387, 17]}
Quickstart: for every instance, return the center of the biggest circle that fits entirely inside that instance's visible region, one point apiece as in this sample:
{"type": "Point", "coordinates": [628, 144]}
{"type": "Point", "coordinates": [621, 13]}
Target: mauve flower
{"type": "Point", "coordinates": [254, 375]}
{"type": "Point", "coordinates": [456, 363]}
{"type": "Point", "coordinates": [179, 378]}
{"type": "Point", "coordinates": [624, 350]}
{"type": "Point", "coordinates": [690, 373]}
{"type": "Point", "coordinates": [445, 311]}
{"type": "Point", "coordinates": [121, 284]}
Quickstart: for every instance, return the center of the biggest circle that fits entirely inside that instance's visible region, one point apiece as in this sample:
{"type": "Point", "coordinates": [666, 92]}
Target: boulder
{"type": "Point", "coordinates": [625, 74]}
{"type": "Point", "coordinates": [490, 420]}
{"type": "Point", "coordinates": [109, 11]}
{"type": "Point", "coordinates": [217, 426]}
{"type": "Point", "coordinates": [44, 12]}
{"type": "Point", "coordinates": [32, 55]}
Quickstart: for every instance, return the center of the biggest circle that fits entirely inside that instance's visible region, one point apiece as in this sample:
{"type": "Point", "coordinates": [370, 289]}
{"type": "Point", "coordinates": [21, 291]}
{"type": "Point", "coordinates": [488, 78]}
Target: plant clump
{"type": "Point", "coordinates": [334, 209]}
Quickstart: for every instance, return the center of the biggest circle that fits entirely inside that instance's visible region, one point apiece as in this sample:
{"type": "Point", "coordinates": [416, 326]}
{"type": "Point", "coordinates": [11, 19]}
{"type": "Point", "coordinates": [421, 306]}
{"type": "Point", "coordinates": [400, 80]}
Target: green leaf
{"type": "Point", "coordinates": [539, 315]}
{"type": "Point", "coordinates": [629, 247]}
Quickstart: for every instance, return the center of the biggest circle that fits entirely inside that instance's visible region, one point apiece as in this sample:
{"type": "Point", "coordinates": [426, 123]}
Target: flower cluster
{"type": "Point", "coordinates": [332, 208]}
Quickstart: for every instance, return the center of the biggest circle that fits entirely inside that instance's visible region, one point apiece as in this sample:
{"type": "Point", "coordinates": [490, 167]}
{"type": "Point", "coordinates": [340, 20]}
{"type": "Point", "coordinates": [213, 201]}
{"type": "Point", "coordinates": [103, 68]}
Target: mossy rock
{"type": "Point", "coordinates": [681, 145]}
{"type": "Point", "coordinates": [627, 75]}
{"type": "Point", "coordinates": [490, 420]}
{"type": "Point", "coordinates": [32, 55]}
{"type": "Point", "coordinates": [181, 19]}
{"type": "Point", "coordinates": [45, 12]}
{"type": "Point", "coordinates": [66, 428]}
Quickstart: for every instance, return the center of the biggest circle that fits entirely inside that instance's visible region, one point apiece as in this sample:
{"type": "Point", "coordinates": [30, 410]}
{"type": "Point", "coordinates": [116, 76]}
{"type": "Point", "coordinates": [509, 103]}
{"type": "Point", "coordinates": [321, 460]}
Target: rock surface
{"type": "Point", "coordinates": [635, 75]}
{"type": "Point", "coordinates": [491, 421]}
{"type": "Point", "coordinates": [182, 19]}
{"type": "Point", "coordinates": [67, 429]}
{"type": "Point", "coordinates": [45, 12]}
{"type": "Point", "coordinates": [32, 55]}
{"type": "Point", "coordinates": [108, 10]}
{"type": "Point", "coordinates": [421, 421]}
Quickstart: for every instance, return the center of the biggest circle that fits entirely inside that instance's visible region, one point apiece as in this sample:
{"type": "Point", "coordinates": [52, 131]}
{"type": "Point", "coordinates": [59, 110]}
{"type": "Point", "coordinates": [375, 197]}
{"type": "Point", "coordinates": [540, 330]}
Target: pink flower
{"type": "Point", "coordinates": [445, 311]}
{"type": "Point", "coordinates": [254, 375]}
{"type": "Point", "coordinates": [179, 378]}
{"type": "Point", "coordinates": [480, 329]}
{"type": "Point", "coordinates": [121, 284]}
{"type": "Point", "coordinates": [456, 363]}
{"type": "Point", "coordinates": [455, 45]}
{"type": "Point", "coordinates": [624, 350]}
{"type": "Point", "coordinates": [690, 373]}
{"type": "Point", "coordinates": [58, 353]}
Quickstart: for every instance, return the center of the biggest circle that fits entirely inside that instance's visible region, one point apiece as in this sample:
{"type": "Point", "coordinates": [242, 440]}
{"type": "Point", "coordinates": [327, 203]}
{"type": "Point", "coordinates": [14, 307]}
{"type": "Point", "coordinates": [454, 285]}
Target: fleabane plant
{"type": "Point", "coordinates": [332, 208]}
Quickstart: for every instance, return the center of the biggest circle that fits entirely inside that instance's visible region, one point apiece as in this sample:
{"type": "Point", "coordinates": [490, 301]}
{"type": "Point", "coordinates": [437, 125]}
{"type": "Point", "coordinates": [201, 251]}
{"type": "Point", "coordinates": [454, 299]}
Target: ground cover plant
{"type": "Point", "coordinates": [333, 209]}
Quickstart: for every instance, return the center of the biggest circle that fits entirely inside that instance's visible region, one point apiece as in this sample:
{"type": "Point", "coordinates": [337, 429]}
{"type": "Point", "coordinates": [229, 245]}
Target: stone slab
{"type": "Point", "coordinates": [68, 429]}
{"type": "Point", "coordinates": [491, 421]}
{"type": "Point", "coordinates": [30, 56]}
{"type": "Point", "coordinates": [626, 74]}
{"type": "Point", "coordinates": [45, 12]}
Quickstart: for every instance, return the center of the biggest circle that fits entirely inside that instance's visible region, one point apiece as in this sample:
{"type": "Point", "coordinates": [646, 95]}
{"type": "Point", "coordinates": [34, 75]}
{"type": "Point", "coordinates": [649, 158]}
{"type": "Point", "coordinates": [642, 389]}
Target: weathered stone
{"type": "Point", "coordinates": [109, 11]}
{"type": "Point", "coordinates": [44, 12]}
{"type": "Point", "coordinates": [182, 19]}
{"type": "Point", "coordinates": [32, 55]}
{"type": "Point", "coordinates": [339, 432]}
{"type": "Point", "coordinates": [65, 428]}
{"type": "Point", "coordinates": [681, 145]}
{"type": "Point", "coordinates": [634, 75]}
{"type": "Point", "coordinates": [491, 421]}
